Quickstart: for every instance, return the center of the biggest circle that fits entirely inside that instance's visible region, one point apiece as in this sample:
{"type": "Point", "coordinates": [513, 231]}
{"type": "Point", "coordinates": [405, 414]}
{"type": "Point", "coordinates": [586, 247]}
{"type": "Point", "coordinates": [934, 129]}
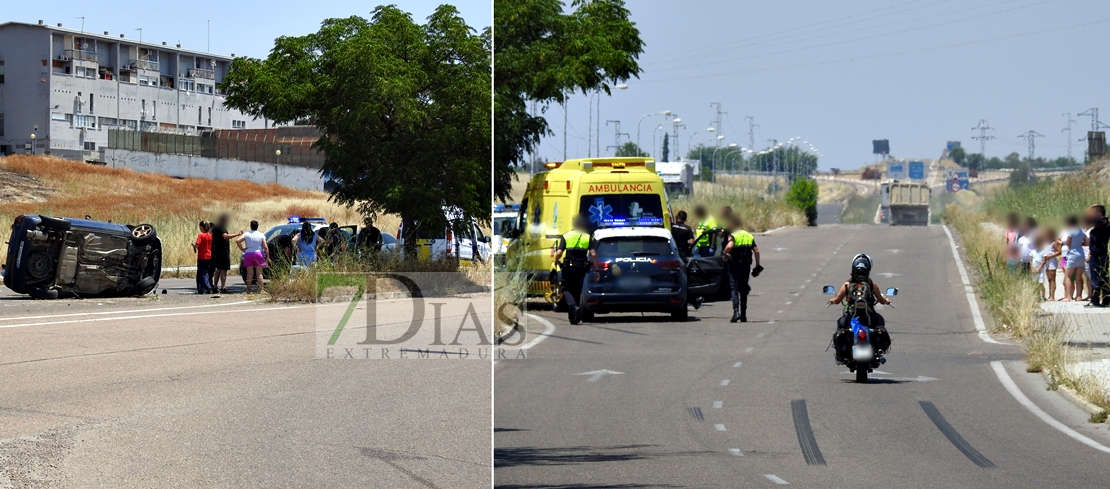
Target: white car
{"type": "Point", "coordinates": [469, 245]}
{"type": "Point", "coordinates": [504, 222]}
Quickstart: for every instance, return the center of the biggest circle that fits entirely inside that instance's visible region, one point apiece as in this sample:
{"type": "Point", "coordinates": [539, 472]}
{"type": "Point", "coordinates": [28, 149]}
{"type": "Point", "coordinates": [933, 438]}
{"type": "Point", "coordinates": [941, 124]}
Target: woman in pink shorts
{"type": "Point", "coordinates": [255, 253]}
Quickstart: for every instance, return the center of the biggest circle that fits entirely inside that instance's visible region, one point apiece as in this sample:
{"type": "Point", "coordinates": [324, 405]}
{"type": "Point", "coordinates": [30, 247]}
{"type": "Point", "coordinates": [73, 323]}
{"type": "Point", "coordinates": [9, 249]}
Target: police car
{"type": "Point", "coordinates": [640, 271]}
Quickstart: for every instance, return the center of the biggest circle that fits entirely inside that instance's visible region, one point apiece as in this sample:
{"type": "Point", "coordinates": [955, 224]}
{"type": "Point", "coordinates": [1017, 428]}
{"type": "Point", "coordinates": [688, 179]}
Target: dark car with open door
{"type": "Point", "coordinates": [51, 257]}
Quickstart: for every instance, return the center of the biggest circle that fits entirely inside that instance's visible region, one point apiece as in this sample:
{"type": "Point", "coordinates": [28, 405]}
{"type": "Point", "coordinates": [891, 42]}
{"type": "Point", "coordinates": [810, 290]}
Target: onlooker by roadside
{"type": "Point", "coordinates": [221, 251]}
{"type": "Point", "coordinates": [1026, 243]}
{"type": "Point", "coordinates": [369, 237]}
{"type": "Point", "coordinates": [1013, 251]}
{"type": "Point", "coordinates": [255, 254]}
{"type": "Point", "coordinates": [334, 244]}
{"type": "Point", "coordinates": [1044, 260]}
{"type": "Point", "coordinates": [1075, 259]}
{"type": "Point", "coordinates": [1099, 236]}
{"type": "Point", "coordinates": [203, 248]}
{"type": "Point", "coordinates": [307, 244]}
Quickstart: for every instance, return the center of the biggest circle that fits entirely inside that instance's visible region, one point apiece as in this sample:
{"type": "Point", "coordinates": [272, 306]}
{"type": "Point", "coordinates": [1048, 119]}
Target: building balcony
{"type": "Point", "coordinates": [202, 73]}
{"type": "Point", "coordinates": [81, 55]}
{"type": "Point", "coordinates": [142, 64]}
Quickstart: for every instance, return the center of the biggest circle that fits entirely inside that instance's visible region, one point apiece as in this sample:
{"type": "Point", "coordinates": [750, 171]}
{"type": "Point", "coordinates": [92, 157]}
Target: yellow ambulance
{"type": "Point", "coordinates": [609, 192]}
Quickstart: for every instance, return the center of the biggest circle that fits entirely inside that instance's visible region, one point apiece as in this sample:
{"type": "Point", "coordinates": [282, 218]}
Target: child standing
{"type": "Point", "coordinates": [1076, 260]}
{"type": "Point", "coordinates": [1052, 261]}
{"type": "Point", "coordinates": [203, 248]}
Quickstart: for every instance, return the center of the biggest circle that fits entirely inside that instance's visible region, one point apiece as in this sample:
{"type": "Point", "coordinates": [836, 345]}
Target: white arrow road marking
{"type": "Point", "coordinates": [737, 364]}
{"type": "Point", "coordinates": [719, 427]}
{"type": "Point", "coordinates": [736, 452]}
{"type": "Point", "coordinates": [725, 382]}
{"type": "Point", "coordinates": [597, 374]}
{"type": "Point", "coordinates": [776, 479]}
{"type": "Point", "coordinates": [780, 249]}
{"type": "Point", "coordinates": [718, 404]}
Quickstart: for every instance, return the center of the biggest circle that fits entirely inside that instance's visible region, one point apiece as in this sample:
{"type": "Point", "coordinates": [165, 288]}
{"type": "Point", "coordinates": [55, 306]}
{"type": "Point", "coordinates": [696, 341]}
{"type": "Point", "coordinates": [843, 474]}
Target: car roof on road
{"type": "Point", "coordinates": [634, 231]}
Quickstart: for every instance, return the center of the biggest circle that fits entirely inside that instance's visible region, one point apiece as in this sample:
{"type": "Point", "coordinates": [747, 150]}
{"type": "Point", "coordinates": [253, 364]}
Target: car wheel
{"type": "Point", "coordinates": [40, 265]}
{"type": "Point", "coordinates": [680, 315]}
{"type": "Point", "coordinates": [144, 286]}
{"type": "Point", "coordinates": [56, 223]}
{"type": "Point", "coordinates": [42, 293]}
{"type": "Point", "coordinates": [143, 234]}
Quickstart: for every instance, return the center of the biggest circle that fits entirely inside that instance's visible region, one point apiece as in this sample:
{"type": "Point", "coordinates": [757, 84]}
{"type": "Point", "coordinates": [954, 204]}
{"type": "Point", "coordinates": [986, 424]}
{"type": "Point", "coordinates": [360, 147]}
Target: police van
{"type": "Point", "coordinates": [504, 223]}
{"type": "Point", "coordinates": [460, 238]}
{"type": "Point", "coordinates": [608, 192]}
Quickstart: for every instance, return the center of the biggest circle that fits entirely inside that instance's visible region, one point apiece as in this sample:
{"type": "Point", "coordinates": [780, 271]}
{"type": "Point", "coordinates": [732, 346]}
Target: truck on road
{"type": "Point", "coordinates": [678, 177]}
{"type": "Point", "coordinates": [906, 203]}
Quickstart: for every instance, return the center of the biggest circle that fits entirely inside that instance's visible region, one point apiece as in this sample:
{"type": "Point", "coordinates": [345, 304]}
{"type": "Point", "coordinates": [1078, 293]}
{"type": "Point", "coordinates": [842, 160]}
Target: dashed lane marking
{"type": "Point", "coordinates": [724, 382]}
{"type": "Point", "coordinates": [736, 452]}
{"type": "Point", "coordinates": [719, 427]}
{"type": "Point", "coordinates": [776, 479]}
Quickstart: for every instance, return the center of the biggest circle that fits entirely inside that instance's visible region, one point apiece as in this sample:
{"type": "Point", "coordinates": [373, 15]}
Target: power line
{"type": "Point", "coordinates": [983, 127]}
{"type": "Point", "coordinates": [717, 122]}
{"type": "Point", "coordinates": [1031, 136]}
{"type": "Point", "coordinates": [845, 41]}
{"type": "Point", "coordinates": [1067, 129]}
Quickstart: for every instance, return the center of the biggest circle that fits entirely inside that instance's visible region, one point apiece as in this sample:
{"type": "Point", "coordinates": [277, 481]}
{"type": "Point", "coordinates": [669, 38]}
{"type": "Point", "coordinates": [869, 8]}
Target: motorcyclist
{"type": "Point", "coordinates": [572, 253]}
{"type": "Point", "coordinates": [859, 296]}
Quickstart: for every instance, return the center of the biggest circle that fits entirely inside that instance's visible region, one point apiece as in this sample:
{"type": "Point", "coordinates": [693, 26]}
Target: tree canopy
{"type": "Point", "coordinates": [630, 148]}
{"type": "Point", "coordinates": [404, 109]}
{"type": "Point", "coordinates": [542, 55]}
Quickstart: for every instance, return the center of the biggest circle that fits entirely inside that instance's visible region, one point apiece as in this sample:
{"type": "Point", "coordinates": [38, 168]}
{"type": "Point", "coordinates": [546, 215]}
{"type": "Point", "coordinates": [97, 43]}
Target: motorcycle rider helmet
{"type": "Point", "coordinates": [861, 266]}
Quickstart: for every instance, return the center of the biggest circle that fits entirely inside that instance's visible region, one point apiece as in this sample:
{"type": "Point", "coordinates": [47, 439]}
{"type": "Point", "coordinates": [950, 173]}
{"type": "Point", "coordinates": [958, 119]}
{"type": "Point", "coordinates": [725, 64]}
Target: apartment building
{"type": "Point", "coordinates": [68, 87]}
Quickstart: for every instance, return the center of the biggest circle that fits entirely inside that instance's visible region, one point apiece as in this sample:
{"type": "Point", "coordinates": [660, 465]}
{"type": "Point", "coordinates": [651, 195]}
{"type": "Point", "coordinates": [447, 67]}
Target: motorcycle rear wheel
{"type": "Point", "coordinates": [861, 375]}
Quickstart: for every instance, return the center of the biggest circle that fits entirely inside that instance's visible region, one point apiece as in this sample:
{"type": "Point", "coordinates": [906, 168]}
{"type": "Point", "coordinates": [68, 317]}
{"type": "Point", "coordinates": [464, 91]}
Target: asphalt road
{"type": "Point", "coordinates": [638, 401]}
{"type": "Point", "coordinates": [184, 390]}
{"type": "Point", "coordinates": [829, 213]}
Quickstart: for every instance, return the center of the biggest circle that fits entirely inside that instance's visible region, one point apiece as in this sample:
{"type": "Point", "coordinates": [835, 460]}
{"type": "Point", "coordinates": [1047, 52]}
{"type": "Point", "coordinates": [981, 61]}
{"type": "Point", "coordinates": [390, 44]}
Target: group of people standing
{"type": "Point", "coordinates": [1079, 252]}
{"type": "Point", "coordinates": [739, 253]}
{"type": "Point", "coordinates": [213, 248]}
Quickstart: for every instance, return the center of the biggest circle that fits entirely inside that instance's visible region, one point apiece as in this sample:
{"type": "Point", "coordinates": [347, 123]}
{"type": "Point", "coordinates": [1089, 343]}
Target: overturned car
{"type": "Point", "coordinates": [51, 257]}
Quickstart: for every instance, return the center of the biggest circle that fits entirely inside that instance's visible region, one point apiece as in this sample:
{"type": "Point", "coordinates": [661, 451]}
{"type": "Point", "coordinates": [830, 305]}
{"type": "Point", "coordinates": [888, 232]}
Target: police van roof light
{"type": "Point", "coordinates": [551, 165]}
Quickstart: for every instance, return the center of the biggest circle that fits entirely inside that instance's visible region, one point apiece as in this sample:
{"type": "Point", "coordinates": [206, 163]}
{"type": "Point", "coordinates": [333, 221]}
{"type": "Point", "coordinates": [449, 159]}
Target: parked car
{"type": "Point", "coordinates": [436, 243]}
{"type": "Point", "coordinates": [51, 257]}
{"type": "Point", "coordinates": [349, 233]}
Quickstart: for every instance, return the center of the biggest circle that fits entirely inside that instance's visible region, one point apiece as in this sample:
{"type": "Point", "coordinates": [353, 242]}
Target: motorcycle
{"type": "Point", "coordinates": [863, 357]}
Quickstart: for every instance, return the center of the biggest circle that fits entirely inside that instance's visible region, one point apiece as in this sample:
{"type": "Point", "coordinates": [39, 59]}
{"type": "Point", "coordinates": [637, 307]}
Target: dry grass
{"type": "Point", "coordinates": [759, 210]}
{"type": "Point", "coordinates": [173, 206]}
{"type": "Point", "coordinates": [510, 291]}
{"type": "Point", "coordinates": [828, 192]}
{"type": "Point", "coordinates": [451, 280]}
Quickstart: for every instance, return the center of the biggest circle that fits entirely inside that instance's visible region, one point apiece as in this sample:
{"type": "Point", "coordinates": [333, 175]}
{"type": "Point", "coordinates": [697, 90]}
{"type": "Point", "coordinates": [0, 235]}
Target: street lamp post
{"type": "Point", "coordinates": [665, 113]}
{"type": "Point", "coordinates": [277, 164]}
{"type": "Point", "coordinates": [32, 144]}
{"type": "Point", "coordinates": [596, 134]}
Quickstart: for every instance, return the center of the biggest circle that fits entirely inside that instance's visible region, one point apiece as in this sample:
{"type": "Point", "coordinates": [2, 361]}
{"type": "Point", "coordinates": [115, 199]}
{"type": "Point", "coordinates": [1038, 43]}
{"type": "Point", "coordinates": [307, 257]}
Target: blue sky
{"type": "Point", "coordinates": [839, 74]}
{"type": "Point", "coordinates": [243, 28]}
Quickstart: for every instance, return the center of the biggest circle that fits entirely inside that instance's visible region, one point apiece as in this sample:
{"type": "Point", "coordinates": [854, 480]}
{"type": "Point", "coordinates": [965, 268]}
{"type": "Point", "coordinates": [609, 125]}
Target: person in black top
{"type": "Point", "coordinates": [575, 253]}
{"type": "Point", "coordinates": [1099, 236]}
{"type": "Point", "coordinates": [221, 251]}
{"type": "Point", "coordinates": [334, 243]}
{"type": "Point", "coordinates": [683, 235]}
{"type": "Point", "coordinates": [370, 237]}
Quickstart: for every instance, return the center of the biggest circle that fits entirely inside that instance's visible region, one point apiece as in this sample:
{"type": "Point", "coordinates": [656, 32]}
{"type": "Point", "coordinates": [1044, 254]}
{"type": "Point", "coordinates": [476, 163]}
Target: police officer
{"type": "Point", "coordinates": [705, 239]}
{"type": "Point", "coordinates": [572, 253]}
{"type": "Point", "coordinates": [683, 235]}
{"type": "Point", "coordinates": [739, 251]}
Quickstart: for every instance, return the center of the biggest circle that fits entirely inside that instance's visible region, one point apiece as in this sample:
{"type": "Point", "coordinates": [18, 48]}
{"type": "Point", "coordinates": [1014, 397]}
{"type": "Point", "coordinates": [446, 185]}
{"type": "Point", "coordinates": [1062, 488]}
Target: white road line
{"type": "Point", "coordinates": [737, 364]}
{"type": "Point", "coordinates": [101, 313]}
{"type": "Point", "coordinates": [771, 321]}
{"type": "Point", "coordinates": [749, 349]}
{"type": "Point", "coordinates": [789, 302]}
{"type": "Point", "coordinates": [147, 316]}
{"type": "Point", "coordinates": [802, 287]}
{"type": "Point", "coordinates": [1013, 389]}
{"type": "Point", "coordinates": [718, 404]}
{"type": "Point", "coordinates": [776, 479]}
{"type": "Point", "coordinates": [719, 427]}
{"type": "Point", "coordinates": [736, 452]}
{"type": "Point", "coordinates": [760, 335]}
{"type": "Point", "coordinates": [725, 382]}
{"type": "Point", "coordinates": [779, 311]}
{"type": "Point", "coordinates": [971, 300]}
{"type": "Point", "coordinates": [548, 330]}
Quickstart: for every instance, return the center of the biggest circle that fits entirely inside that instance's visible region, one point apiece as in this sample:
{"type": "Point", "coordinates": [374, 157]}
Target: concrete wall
{"type": "Point", "coordinates": [186, 166]}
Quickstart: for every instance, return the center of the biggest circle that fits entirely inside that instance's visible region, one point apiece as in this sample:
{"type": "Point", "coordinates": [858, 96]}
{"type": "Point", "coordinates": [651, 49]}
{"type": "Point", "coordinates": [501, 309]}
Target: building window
{"type": "Point", "coordinates": [200, 115]}
{"type": "Point", "coordinates": [92, 102]}
{"type": "Point", "coordinates": [108, 122]}
{"type": "Point", "coordinates": [59, 116]}
{"type": "Point", "coordinates": [154, 113]}
{"type": "Point", "coordinates": [84, 121]}
{"type": "Point", "coordinates": [238, 124]}
{"type": "Point", "coordinates": [131, 124]}
{"type": "Point", "coordinates": [90, 145]}
{"type": "Point", "coordinates": [210, 116]}
{"type": "Point", "coordinates": [1, 71]}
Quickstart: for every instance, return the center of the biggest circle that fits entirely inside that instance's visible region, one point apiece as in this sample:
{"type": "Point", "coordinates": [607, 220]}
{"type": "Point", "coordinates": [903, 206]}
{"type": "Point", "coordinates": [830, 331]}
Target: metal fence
{"type": "Point", "coordinates": [247, 145]}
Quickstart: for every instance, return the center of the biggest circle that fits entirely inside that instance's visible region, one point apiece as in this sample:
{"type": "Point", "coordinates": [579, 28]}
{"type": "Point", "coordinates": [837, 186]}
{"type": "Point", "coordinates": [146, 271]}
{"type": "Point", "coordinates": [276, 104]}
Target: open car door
{"type": "Point", "coordinates": [706, 277]}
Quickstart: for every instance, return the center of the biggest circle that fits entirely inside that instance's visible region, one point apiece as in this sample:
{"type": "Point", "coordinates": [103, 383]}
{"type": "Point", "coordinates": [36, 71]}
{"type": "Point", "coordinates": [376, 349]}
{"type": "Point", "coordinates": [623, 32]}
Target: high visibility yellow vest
{"type": "Point", "coordinates": [703, 226]}
{"type": "Point", "coordinates": [577, 240]}
{"type": "Point", "coordinates": [742, 238]}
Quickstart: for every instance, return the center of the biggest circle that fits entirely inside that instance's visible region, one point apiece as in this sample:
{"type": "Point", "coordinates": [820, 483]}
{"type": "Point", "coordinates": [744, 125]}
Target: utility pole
{"type": "Point", "coordinates": [751, 131]}
{"type": "Point", "coordinates": [565, 127]}
{"type": "Point", "coordinates": [616, 136]}
{"type": "Point", "coordinates": [774, 163]}
{"type": "Point", "coordinates": [1032, 137]}
{"type": "Point", "coordinates": [1093, 113]}
{"type": "Point", "coordinates": [1067, 129]}
{"type": "Point", "coordinates": [717, 121]}
{"type": "Point", "coordinates": [983, 127]}
{"type": "Point", "coordinates": [675, 139]}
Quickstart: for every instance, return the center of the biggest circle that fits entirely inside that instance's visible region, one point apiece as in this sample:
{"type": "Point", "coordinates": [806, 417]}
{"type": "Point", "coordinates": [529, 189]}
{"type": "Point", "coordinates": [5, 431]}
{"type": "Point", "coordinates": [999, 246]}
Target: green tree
{"type": "Point", "coordinates": [958, 155]}
{"type": "Point", "coordinates": [666, 147]}
{"type": "Point", "coordinates": [803, 195]}
{"type": "Point", "coordinates": [790, 160]}
{"type": "Point", "coordinates": [403, 108]}
{"type": "Point", "coordinates": [631, 149]}
{"type": "Point", "coordinates": [544, 54]}
{"type": "Point", "coordinates": [975, 161]}
{"type": "Point", "coordinates": [713, 158]}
